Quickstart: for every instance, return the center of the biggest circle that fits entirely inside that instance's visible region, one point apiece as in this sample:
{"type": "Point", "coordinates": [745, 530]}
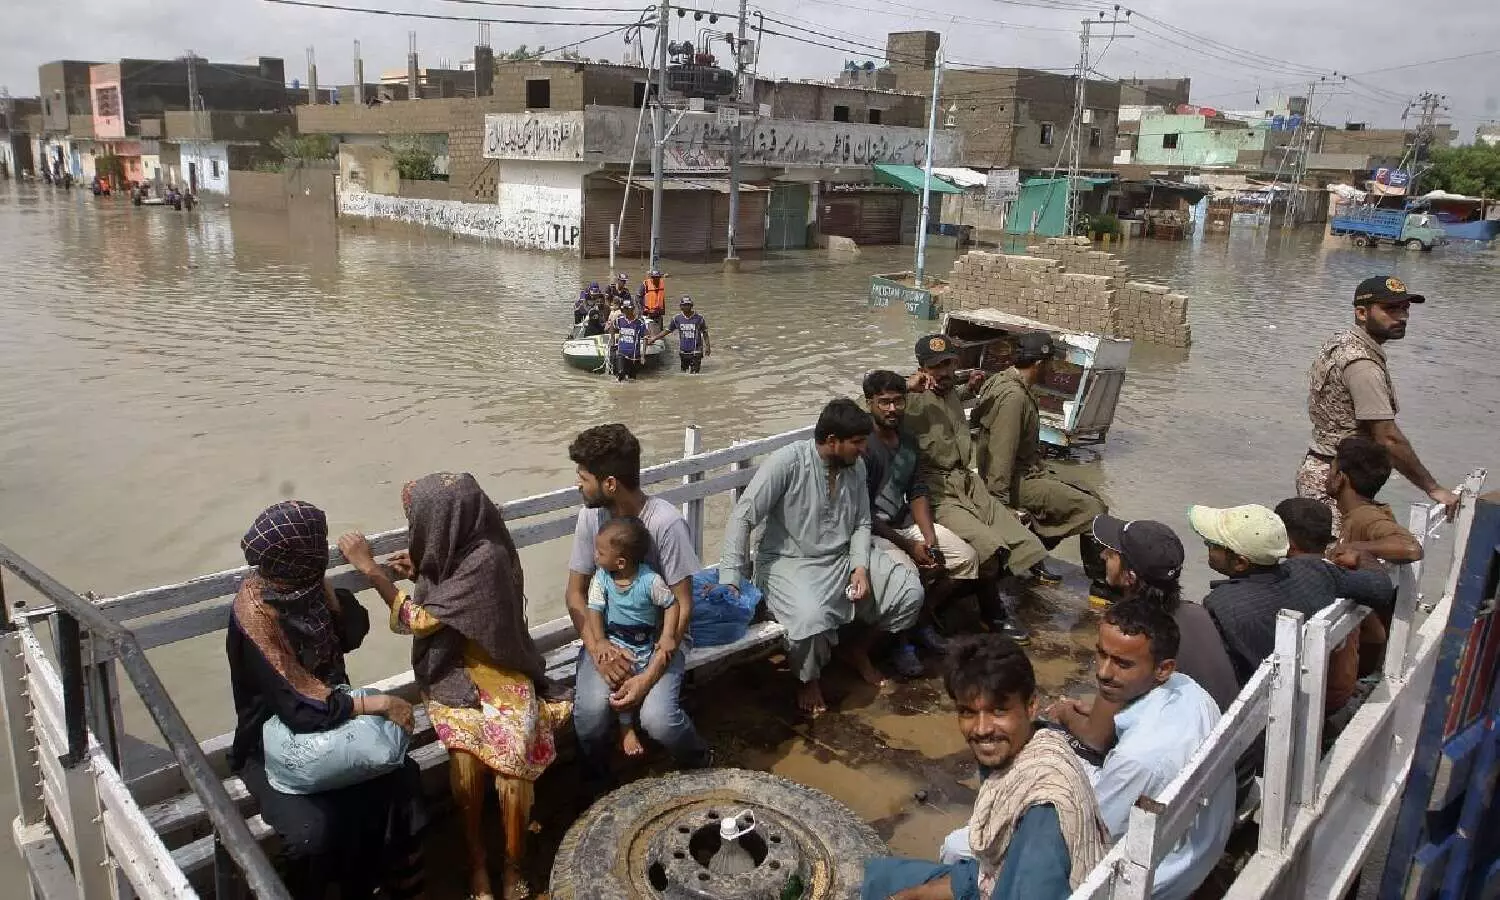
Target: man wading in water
{"type": "Point", "coordinates": [1350, 392]}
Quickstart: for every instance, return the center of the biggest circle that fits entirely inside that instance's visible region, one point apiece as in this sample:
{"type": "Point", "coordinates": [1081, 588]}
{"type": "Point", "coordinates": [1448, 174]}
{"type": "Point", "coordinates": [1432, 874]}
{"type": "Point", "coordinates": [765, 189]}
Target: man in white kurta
{"type": "Point", "coordinates": [814, 562]}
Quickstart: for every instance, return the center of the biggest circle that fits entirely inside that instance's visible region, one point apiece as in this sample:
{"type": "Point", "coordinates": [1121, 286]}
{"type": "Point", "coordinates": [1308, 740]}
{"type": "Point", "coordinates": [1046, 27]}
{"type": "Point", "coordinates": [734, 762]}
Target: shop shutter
{"type": "Point", "coordinates": [788, 217]}
{"type": "Point", "coordinates": [879, 219]}
{"type": "Point", "coordinates": [751, 234]}
{"type": "Point", "coordinates": [686, 223]}
{"type": "Point", "coordinates": [839, 216]}
{"type": "Point", "coordinates": [601, 209]}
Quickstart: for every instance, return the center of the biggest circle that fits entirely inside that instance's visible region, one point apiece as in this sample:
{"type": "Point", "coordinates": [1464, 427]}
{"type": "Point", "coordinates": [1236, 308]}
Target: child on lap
{"type": "Point", "coordinates": [634, 600]}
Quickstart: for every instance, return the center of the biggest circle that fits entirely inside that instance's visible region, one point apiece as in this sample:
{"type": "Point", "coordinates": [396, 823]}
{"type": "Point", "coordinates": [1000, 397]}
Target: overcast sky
{"type": "Point", "coordinates": [1282, 40]}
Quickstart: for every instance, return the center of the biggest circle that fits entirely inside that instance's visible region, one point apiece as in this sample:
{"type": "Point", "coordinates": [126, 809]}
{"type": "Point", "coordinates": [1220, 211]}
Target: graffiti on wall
{"type": "Point", "coordinates": [700, 143]}
{"type": "Point", "coordinates": [530, 135]}
{"type": "Point", "coordinates": [528, 223]}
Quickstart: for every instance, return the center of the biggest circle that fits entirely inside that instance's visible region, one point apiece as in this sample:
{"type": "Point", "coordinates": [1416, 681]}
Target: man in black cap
{"type": "Point", "coordinates": [1350, 392]}
{"type": "Point", "coordinates": [1009, 455]}
{"type": "Point", "coordinates": [935, 414]}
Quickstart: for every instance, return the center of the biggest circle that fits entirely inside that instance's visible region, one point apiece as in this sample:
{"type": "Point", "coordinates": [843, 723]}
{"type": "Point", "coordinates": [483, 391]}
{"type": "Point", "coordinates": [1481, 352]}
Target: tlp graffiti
{"type": "Point", "coordinates": [553, 136]}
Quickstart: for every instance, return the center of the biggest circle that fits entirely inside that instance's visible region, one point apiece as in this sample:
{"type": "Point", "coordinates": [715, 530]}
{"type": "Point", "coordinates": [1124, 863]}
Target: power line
{"type": "Point", "coordinates": [548, 6]}
{"type": "Point", "coordinates": [416, 15]}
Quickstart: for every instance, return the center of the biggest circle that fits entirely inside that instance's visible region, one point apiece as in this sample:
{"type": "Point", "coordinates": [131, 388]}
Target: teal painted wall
{"type": "Point", "coordinates": [1197, 144]}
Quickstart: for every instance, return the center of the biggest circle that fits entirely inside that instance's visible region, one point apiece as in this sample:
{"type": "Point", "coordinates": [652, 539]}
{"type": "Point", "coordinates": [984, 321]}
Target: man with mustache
{"type": "Point", "coordinates": [1163, 717]}
{"type": "Point", "coordinates": [1035, 832]}
{"type": "Point", "coordinates": [814, 561]}
{"type": "Point", "coordinates": [960, 500]}
{"type": "Point", "coordinates": [1350, 392]}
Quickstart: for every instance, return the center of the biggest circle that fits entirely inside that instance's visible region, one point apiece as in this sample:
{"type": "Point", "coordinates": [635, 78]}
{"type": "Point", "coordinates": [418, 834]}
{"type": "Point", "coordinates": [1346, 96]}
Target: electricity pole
{"type": "Point", "coordinates": [192, 75]}
{"type": "Point", "coordinates": [1426, 133]}
{"type": "Point", "coordinates": [734, 139]}
{"type": "Point", "coordinates": [1075, 128]}
{"type": "Point", "coordinates": [659, 132]}
{"type": "Point", "coordinates": [937, 89]}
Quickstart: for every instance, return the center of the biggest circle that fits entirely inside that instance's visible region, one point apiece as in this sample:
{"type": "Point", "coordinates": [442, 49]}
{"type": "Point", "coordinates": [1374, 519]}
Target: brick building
{"type": "Point", "coordinates": [1009, 117]}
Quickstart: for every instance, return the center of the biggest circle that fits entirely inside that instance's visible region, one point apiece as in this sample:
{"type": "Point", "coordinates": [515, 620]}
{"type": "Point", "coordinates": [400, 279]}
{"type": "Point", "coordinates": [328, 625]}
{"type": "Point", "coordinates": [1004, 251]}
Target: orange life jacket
{"type": "Point", "coordinates": [655, 302]}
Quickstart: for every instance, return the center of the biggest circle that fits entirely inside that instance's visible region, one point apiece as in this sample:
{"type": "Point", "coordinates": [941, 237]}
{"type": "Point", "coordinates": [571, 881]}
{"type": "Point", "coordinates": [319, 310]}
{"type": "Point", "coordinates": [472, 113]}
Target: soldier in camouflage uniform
{"type": "Point", "coordinates": [1350, 392]}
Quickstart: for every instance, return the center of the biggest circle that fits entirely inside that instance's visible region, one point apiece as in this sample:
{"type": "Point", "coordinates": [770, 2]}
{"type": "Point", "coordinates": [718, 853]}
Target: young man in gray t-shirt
{"type": "Point", "coordinates": [608, 458]}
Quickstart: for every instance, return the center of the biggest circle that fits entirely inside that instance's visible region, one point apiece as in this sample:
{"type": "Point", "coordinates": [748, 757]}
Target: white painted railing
{"type": "Point", "coordinates": [1321, 815]}
{"type": "Point", "coordinates": [117, 832]}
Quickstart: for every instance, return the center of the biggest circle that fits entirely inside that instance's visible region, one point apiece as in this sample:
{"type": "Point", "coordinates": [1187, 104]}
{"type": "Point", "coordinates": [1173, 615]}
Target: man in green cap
{"type": "Point", "coordinates": [935, 414]}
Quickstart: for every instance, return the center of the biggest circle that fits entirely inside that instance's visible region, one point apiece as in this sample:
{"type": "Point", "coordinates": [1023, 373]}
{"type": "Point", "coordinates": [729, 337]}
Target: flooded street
{"type": "Point", "coordinates": [165, 376]}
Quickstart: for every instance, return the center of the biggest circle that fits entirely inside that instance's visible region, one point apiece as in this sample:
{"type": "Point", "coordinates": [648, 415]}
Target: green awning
{"type": "Point", "coordinates": [910, 178]}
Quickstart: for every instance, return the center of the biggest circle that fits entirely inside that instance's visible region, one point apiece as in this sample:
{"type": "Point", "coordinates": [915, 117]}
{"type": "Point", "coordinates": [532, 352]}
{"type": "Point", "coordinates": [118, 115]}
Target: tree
{"type": "Point", "coordinates": [413, 161]}
{"type": "Point", "coordinates": [299, 149]}
{"type": "Point", "coordinates": [1472, 170]}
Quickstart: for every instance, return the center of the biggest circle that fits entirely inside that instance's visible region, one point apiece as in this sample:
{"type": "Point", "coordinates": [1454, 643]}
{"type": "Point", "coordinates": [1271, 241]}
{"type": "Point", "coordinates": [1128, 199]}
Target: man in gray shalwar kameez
{"type": "Point", "coordinates": [814, 561]}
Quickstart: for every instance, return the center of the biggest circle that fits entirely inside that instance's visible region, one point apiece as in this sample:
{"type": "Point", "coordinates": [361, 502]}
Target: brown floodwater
{"type": "Point", "coordinates": [164, 376]}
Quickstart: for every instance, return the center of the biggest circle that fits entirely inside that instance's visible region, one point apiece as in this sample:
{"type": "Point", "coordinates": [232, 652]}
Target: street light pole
{"type": "Point", "coordinates": [659, 132]}
{"type": "Point", "coordinates": [937, 88]}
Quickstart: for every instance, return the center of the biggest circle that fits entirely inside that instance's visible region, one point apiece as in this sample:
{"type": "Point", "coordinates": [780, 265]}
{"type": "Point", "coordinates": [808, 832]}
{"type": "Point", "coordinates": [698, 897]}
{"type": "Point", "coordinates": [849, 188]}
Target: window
{"type": "Point", "coordinates": [874, 117]}
{"type": "Point", "coordinates": [213, 168]}
{"type": "Point", "coordinates": [841, 114]}
{"type": "Point", "coordinates": [107, 102]}
{"type": "Point", "coordinates": [47, 108]}
{"type": "Point", "coordinates": [638, 95]}
{"type": "Point", "coordinates": [1095, 137]}
{"type": "Point", "coordinates": [1046, 135]}
{"type": "Point", "coordinates": [538, 93]}
{"type": "Point", "coordinates": [1169, 142]}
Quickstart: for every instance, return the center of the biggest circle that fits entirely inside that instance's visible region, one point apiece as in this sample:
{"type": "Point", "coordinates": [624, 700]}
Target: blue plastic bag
{"type": "Point", "coordinates": [310, 762]}
{"type": "Point", "coordinates": [719, 617]}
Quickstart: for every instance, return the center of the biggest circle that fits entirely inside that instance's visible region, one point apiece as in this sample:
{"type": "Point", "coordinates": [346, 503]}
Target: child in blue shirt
{"type": "Point", "coordinates": [634, 600]}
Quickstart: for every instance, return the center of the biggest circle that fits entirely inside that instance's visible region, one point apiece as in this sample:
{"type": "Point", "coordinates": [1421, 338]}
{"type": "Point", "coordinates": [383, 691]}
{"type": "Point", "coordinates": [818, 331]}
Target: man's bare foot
{"type": "Point", "coordinates": [810, 698]}
{"type": "Point", "coordinates": [630, 742]}
{"type": "Point", "coordinates": [514, 884]}
{"type": "Point", "coordinates": [859, 660]}
{"type": "Point", "coordinates": [479, 884]}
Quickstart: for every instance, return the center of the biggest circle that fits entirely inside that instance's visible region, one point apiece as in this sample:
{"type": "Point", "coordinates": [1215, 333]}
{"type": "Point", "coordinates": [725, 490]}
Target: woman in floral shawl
{"type": "Point", "coordinates": [480, 673]}
{"type": "Point", "coordinates": [286, 641]}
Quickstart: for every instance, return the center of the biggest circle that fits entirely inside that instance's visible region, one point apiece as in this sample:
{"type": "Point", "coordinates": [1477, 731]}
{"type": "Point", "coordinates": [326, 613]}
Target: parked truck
{"type": "Point", "coordinates": [1369, 226]}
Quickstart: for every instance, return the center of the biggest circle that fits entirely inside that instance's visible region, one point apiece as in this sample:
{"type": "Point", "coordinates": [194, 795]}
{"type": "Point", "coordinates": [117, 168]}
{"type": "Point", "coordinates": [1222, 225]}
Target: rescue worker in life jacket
{"type": "Point", "coordinates": [629, 331]}
{"type": "Point", "coordinates": [619, 289]}
{"type": "Point", "coordinates": [653, 295]}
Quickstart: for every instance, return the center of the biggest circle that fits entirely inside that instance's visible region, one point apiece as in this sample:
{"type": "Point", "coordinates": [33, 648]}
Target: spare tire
{"type": "Point", "coordinates": [610, 852]}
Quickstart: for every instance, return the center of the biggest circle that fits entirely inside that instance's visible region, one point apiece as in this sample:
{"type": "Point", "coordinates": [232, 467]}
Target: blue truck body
{"type": "Point", "coordinates": [1370, 225]}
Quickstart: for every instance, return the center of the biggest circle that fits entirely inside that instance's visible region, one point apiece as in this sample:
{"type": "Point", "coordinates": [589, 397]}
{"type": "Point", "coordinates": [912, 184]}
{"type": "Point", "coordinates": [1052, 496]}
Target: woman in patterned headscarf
{"type": "Point", "coordinates": [288, 633]}
{"type": "Point", "coordinates": [479, 671]}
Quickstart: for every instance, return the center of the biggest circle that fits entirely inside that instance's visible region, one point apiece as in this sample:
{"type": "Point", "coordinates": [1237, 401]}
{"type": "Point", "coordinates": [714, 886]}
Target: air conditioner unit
{"type": "Point", "coordinates": [1088, 117]}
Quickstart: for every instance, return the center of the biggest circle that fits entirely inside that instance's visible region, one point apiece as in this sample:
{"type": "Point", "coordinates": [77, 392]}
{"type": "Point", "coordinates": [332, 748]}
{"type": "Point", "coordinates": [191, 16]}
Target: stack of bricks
{"type": "Point", "coordinates": [1066, 283]}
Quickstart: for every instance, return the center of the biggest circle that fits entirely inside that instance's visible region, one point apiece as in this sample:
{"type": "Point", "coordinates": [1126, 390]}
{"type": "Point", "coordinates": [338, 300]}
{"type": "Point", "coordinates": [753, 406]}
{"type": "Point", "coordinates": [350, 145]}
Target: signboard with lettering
{"type": "Point", "coordinates": [1395, 178]}
{"type": "Point", "coordinates": [1002, 186]}
{"type": "Point", "coordinates": [885, 292]}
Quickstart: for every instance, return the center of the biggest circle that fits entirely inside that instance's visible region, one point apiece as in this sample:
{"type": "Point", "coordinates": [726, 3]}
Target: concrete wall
{"type": "Point", "coordinates": [1066, 283]}
{"type": "Point", "coordinates": [305, 193]}
{"type": "Point", "coordinates": [106, 77]}
{"type": "Point", "coordinates": [368, 167]}
{"type": "Point", "coordinates": [1155, 91]}
{"type": "Point", "coordinates": [806, 100]}
{"type": "Point", "coordinates": [424, 190]}
{"type": "Point", "coordinates": [222, 125]}
{"type": "Point", "coordinates": [1048, 97]}
{"type": "Point", "coordinates": [1200, 142]}
{"type": "Point", "coordinates": [542, 204]}
{"type": "Point", "coordinates": [211, 160]}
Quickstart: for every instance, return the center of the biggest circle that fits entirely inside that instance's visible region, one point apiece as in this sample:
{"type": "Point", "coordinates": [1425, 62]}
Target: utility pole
{"type": "Point", "coordinates": [659, 131]}
{"type": "Point", "coordinates": [359, 75]}
{"type": "Point", "coordinates": [1426, 133]}
{"type": "Point", "coordinates": [1075, 128]}
{"type": "Point", "coordinates": [731, 261]}
{"type": "Point", "coordinates": [312, 77]}
{"type": "Point", "coordinates": [937, 90]}
{"type": "Point", "coordinates": [192, 73]}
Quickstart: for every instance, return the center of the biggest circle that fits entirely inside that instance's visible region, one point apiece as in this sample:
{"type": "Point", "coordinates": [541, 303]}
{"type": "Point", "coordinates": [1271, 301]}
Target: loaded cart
{"type": "Point", "coordinates": [1078, 399]}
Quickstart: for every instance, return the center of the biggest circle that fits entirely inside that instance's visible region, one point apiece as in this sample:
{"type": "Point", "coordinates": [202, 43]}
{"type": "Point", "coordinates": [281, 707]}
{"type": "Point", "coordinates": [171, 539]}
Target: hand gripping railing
{"type": "Point", "coordinates": [74, 613]}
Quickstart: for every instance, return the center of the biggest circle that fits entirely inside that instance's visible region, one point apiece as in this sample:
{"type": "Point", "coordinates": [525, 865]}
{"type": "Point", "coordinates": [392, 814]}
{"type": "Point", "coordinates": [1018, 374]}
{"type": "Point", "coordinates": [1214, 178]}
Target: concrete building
{"type": "Point", "coordinates": [20, 121]}
{"type": "Point", "coordinates": [1488, 134]}
{"type": "Point", "coordinates": [131, 98]}
{"type": "Point", "coordinates": [67, 116]}
{"type": "Point", "coordinates": [1198, 141]}
{"type": "Point", "coordinates": [807, 136]}
{"type": "Point", "coordinates": [199, 148]}
{"type": "Point", "coordinates": [1009, 117]}
{"type": "Point", "coordinates": [1163, 92]}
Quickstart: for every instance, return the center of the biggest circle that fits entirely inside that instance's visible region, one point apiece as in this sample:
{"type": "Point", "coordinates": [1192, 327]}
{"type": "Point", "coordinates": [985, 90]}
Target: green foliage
{"type": "Point", "coordinates": [296, 149]}
{"type": "Point", "coordinates": [112, 167]}
{"type": "Point", "coordinates": [413, 161]}
{"type": "Point", "coordinates": [1106, 224]}
{"type": "Point", "coordinates": [1472, 170]}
